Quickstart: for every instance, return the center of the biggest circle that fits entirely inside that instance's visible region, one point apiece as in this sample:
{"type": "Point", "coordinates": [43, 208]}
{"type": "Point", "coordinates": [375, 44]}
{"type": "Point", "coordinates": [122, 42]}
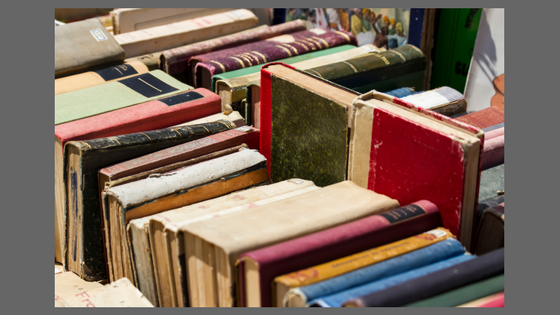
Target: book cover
{"type": "Point", "coordinates": [444, 100]}
{"type": "Point", "coordinates": [159, 38]}
{"type": "Point", "coordinates": [491, 230]}
{"type": "Point", "coordinates": [229, 236]}
{"type": "Point", "coordinates": [265, 51]}
{"type": "Point", "coordinates": [276, 260]}
{"type": "Point", "coordinates": [84, 45]}
{"type": "Point", "coordinates": [484, 118]}
{"type": "Point", "coordinates": [114, 95]}
{"type": "Point", "coordinates": [494, 148]}
{"type": "Point", "coordinates": [84, 250]}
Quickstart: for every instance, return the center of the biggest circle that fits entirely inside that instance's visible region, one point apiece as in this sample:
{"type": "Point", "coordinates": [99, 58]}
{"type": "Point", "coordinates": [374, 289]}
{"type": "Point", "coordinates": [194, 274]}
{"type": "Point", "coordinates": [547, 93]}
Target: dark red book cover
{"type": "Point", "coordinates": [337, 242]}
{"type": "Point", "coordinates": [484, 118]}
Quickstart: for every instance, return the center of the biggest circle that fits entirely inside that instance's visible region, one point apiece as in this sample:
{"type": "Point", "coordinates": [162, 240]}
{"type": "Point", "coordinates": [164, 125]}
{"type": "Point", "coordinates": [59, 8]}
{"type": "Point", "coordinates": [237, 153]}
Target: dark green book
{"type": "Point", "coordinates": [400, 67]}
{"type": "Point", "coordinates": [84, 246]}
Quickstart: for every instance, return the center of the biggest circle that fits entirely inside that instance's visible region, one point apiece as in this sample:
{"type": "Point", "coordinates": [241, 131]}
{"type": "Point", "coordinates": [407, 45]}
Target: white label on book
{"type": "Point", "coordinates": [426, 100]}
{"type": "Point", "coordinates": [436, 233]}
{"type": "Point", "coordinates": [98, 34]}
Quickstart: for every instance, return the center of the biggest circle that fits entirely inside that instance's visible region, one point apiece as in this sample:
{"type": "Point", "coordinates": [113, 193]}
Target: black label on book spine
{"type": "Point", "coordinates": [148, 85]}
{"type": "Point", "coordinates": [181, 98]}
{"type": "Point", "coordinates": [403, 213]}
{"type": "Point", "coordinates": [116, 72]}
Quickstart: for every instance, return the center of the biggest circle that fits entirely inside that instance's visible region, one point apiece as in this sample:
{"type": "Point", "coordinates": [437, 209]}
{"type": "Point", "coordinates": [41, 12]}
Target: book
{"type": "Point", "coordinates": [114, 95]}
{"type": "Point", "coordinates": [127, 20]}
{"type": "Point", "coordinates": [93, 78]}
{"type": "Point", "coordinates": [492, 183]}
{"type": "Point", "coordinates": [463, 294]}
{"type": "Point", "coordinates": [208, 179]}
{"type": "Point", "coordinates": [439, 158]}
{"type": "Point", "coordinates": [444, 100]}
{"type": "Point", "coordinates": [159, 38]}
{"type": "Point", "coordinates": [150, 60]}
{"type": "Point", "coordinates": [84, 250]}
{"type": "Point", "coordinates": [212, 247]}
{"type": "Point", "coordinates": [259, 268]}
{"type": "Point", "coordinates": [253, 99]}
{"type": "Point", "coordinates": [169, 250]}
{"type": "Point", "coordinates": [493, 300]}
{"type": "Point", "coordinates": [155, 114]}
{"type": "Point", "coordinates": [176, 60]}
{"type": "Point", "coordinates": [285, 285]}
{"type": "Point", "coordinates": [264, 51]}
{"type": "Point", "coordinates": [69, 284]}
{"type": "Point", "coordinates": [387, 70]}
{"type": "Point", "coordinates": [84, 45]}
{"type": "Point", "coordinates": [493, 153]}
{"type": "Point", "coordinates": [401, 92]}
{"type": "Point", "coordinates": [234, 117]}
{"type": "Point", "coordinates": [428, 285]}
{"type": "Point", "coordinates": [304, 125]}
{"type": "Point", "coordinates": [491, 230]}
{"type": "Point", "coordinates": [484, 118]}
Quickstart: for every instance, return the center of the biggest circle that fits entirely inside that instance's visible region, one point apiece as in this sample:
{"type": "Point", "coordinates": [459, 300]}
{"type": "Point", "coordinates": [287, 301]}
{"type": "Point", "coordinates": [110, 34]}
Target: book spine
{"type": "Point", "coordinates": [419, 258]}
{"type": "Point", "coordinates": [494, 300]}
{"type": "Point", "coordinates": [493, 152]}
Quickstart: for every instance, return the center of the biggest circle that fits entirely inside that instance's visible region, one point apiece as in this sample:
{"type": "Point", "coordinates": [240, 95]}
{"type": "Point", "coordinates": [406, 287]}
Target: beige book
{"type": "Point", "coordinates": [233, 116]}
{"type": "Point", "coordinates": [168, 247]}
{"type": "Point", "coordinates": [177, 34]}
{"type": "Point", "coordinates": [142, 257]}
{"type": "Point", "coordinates": [127, 20]}
{"type": "Point", "coordinates": [93, 78]}
{"type": "Point", "coordinates": [212, 247]}
{"type": "Point", "coordinates": [68, 285]}
{"type": "Point", "coordinates": [150, 60]}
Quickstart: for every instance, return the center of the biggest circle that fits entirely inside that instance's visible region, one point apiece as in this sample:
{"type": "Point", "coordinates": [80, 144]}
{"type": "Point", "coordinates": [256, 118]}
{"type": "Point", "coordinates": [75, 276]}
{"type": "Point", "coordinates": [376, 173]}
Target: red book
{"type": "Point", "coordinates": [494, 146]}
{"type": "Point", "coordinates": [484, 118]}
{"type": "Point", "coordinates": [497, 301]}
{"type": "Point", "coordinates": [333, 243]}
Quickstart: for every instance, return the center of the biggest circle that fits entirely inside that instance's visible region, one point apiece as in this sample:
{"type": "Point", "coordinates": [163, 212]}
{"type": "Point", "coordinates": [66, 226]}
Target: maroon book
{"type": "Point", "coordinates": [265, 51]}
{"type": "Point", "coordinates": [493, 151]}
{"type": "Point", "coordinates": [337, 242]}
{"type": "Point", "coordinates": [484, 118]}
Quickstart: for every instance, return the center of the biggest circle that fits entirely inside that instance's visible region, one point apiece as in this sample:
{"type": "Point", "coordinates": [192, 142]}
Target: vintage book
{"type": "Point", "coordinates": [385, 71]}
{"type": "Point", "coordinates": [186, 186]}
{"type": "Point", "coordinates": [259, 268]}
{"type": "Point", "coordinates": [439, 161]}
{"type": "Point", "coordinates": [401, 92]}
{"type": "Point", "coordinates": [82, 211]}
{"type": "Point", "coordinates": [120, 293]}
{"type": "Point", "coordinates": [304, 125]}
{"type": "Point", "coordinates": [168, 251]}
{"type": "Point", "coordinates": [58, 268]}
{"type": "Point", "coordinates": [447, 247]}
{"type": "Point", "coordinates": [181, 33]}
{"type": "Point", "coordinates": [150, 60]}
{"type": "Point", "coordinates": [127, 20]}
{"type": "Point", "coordinates": [264, 51]}
{"type": "Point", "coordinates": [253, 100]}
{"type": "Point", "coordinates": [114, 95]}
{"type": "Point", "coordinates": [493, 153]}
{"type": "Point", "coordinates": [171, 158]}
{"type": "Point", "coordinates": [484, 118]}
{"type": "Point", "coordinates": [176, 60]}
{"type": "Point", "coordinates": [463, 294]}
{"type": "Point", "coordinates": [68, 284]}
{"type": "Point", "coordinates": [491, 230]}
{"type": "Point", "coordinates": [285, 286]}
{"type": "Point", "coordinates": [84, 45]}
{"type": "Point", "coordinates": [492, 183]}
{"type": "Point", "coordinates": [493, 300]}
{"type": "Point", "coordinates": [428, 285]}
{"type": "Point", "coordinates": [444, 100]}
{"type": "Point", "coordinates": [93, 78]}
{"type": "Point", "coordinates": [234, 117]}
{"type": "Point", "coordinates": [496, 126]}
{"type": "Point", "coordinates": [338, 299]}
{"type": "Point", "coordinates": [212, 247]}
{"type": "Point", "coordinates": [155, 114]}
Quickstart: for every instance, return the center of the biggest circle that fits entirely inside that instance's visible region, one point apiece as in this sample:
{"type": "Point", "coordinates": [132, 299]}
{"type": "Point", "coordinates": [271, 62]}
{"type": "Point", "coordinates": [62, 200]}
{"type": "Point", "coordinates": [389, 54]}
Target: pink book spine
{"type": "Point", "coordinates": [493, 152]}
{"type": "Point", "coordinates": [497, 302]}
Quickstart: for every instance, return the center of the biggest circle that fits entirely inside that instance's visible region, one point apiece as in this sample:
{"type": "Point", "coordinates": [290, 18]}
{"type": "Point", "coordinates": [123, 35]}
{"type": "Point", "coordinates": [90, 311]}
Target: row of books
{"type": "Point", "coordinates": [207, 196]}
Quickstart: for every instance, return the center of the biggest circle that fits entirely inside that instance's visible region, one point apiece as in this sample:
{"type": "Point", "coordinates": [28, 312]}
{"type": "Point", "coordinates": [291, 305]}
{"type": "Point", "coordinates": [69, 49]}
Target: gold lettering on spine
{"type": "Point", "coordinates": [312, 43]}
{"type": "Point", "coordinates": [290, 46]}
{"type": "Point", "coordinates": [261, 55]}
{"type": "Point", "coordinates": [250, 56]}
{"type": "Point", "coordinates": [286, 50]}
{"type": "Point", "coordinates": [219, 64]}
{"type": "Point", "coordinates": [321, 40]}
{"type": "Point", "coordinates": [314, 72]}
{"type": "Point", "coordinates": [86, 144]}
{"type": "Point", "coordinates": [302, 45]}
{"type": "Point", "coordinates": [399, 54]}
{"type": "Point", "coordinates": [146, 135]}
{"type": "Point", "coordinates": [384, 59]}
{"type": "Point", "coordinates": [343, 35]}
{"type": "Point", "coordinates": [351, 66]}
{"type": "Point", "coordinates": [239, 61]}
{"type": "Point", "coordinates": [417, 49]}
{"type": "Point", "coordinates": [246, 59]}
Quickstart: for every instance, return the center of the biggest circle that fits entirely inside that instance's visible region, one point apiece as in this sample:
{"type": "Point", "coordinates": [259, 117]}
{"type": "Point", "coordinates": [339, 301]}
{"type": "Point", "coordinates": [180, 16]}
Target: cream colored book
{"type": "Point", "coordinates": [212, 247]}
{"type": "Point", "coordinates": [167, 246]}
{"type": "Point", "coordinates": [233, 116]}
{"type": "Point", "coordinates": [177, 34]}
{"type": "Point", "coordinates": [127, 20]}
{"type": "Point", "coordinates": [67, 285]}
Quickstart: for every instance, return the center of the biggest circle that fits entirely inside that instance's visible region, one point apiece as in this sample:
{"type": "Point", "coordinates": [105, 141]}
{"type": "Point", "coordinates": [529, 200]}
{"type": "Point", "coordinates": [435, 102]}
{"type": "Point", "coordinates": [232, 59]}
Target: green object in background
{"type": "Point", "coordinates": [453, 49]}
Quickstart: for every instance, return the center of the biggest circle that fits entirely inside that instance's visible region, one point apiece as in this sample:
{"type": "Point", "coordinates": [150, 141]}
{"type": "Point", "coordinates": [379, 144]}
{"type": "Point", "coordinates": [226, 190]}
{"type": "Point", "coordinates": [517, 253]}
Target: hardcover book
{"type": "Point", "coordinates": [84, 45]}
{"type": "Point", "coordinates": [258, 268]}
{"type": "Point", "coordinates": [93, 78]}
{"type": "Point", "coordinates": [264, 51]}
{"type": "Point", "coordinates": [155, 114]}
{"type": "Point", "coordinates": [484, 118]}
{"type": "Point", "coordinates": [494, 148]}
{"type": "Point", "coordinates": [69, 284]}
{"type": "Point", "coordinates": [438, 160]}
{"type": "Point", "coordinates": [186, 186]}
{"type": "Point", "coordinates": [491, 230]}
{"type": "Point", "coordinates": [212, 247]}
{"type": "Point", "coordinates": [177, 34]}
{"type": "Point", "coordinates": [114, 95]}
{"type": "Point", "coordinates": [444, 100]}
{"type": "Point", "coordinates": [82, 212]}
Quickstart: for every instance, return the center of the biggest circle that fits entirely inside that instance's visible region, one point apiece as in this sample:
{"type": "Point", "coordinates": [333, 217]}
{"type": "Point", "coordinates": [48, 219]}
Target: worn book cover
{"type": "Point", "coordinates": [444, 100]}
{"type": "Point", "coordinates": [494, 148]}
{"type": "Point", "coordinates": [491, 230]}
{"type": "Point", "coordinates": [484, 118]}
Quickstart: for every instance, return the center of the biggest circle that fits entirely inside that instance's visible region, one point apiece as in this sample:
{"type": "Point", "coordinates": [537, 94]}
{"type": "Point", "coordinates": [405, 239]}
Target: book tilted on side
{"type": "Point", "coordinates": [438, 160]}
{"type": "Point", "coordinates": [261, 266]}
{"type": "Point", "coordinates": [484, 118]}
{"type": "Point", "coordinates": [444, 100]}
{"type": "Point", "coordinates": [161, 113]}
{"type": "Point", "coordinates": [493, 300]}
{"type": "Point", "coordinates": [491, 230]}
{"type": "Point", "coordinates": [494, 148]}
{"type": "Point", "coordinates": [212, 247]}
{"type": "Point", "coordinates": [84, 250]}
{"type": "Point", "coordinates": [168, 252]}
{"type": "Point", "coordinates": [189, 185]}
{"type": "Point", "coordinates": [114, 95]}
{"type": "Point", "coordinates": [234, 117]}
{"type": "Point", "coordinates": [84, 45]}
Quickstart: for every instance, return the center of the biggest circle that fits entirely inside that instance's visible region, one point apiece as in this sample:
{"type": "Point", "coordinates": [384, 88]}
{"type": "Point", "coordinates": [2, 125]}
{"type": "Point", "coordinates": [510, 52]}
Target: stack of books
{"type": "Point", "coordinates": [206, 159]}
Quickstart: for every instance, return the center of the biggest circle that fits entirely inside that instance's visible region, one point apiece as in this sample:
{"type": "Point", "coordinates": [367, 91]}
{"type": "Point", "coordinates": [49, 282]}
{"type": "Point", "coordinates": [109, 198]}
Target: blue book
{"type": "Point", "coordinates": [337, 299]}
{"type": "Point", "coordinates": [419, 258]}
{"type": "Point", "coordinates": [401, 92]}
